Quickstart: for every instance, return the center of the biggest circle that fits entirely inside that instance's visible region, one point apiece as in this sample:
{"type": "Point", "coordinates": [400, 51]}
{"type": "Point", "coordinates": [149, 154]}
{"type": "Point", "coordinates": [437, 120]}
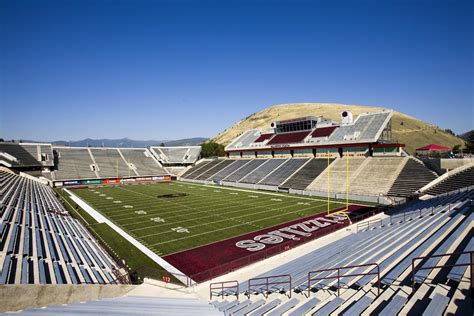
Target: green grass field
{"type": "Point", "coordinates": [204, 215]}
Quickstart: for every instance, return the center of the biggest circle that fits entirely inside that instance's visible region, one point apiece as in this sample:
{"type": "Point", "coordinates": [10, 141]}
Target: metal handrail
{"type": "Point", "coordinates": [368, 223]}
{"type": "Point", "coordinates": [338, 276]}
{"type": "Point", "coordinates": [416, 269]}
{"type": "Point", "coordinates": [222, 286]}
{"type": "Point", "coordinates": [267, 283]}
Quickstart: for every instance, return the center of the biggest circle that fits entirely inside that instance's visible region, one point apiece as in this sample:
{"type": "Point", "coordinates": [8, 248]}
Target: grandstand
{"type": "Point", "coordinates": [74, 163]}
{"type": "Point", "coordinates": [16, 156]}
{"type": "Point", "coordinates": [42, 244]}
{"type": "Point", "coordinates": [177, 155]}
{"type": "Point", "coordinates": [370, 273]}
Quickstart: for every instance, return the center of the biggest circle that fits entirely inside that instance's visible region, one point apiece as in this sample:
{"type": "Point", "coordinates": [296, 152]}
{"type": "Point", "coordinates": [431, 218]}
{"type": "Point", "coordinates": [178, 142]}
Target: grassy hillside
{"type": "Point", "coordinates": [405, 129]}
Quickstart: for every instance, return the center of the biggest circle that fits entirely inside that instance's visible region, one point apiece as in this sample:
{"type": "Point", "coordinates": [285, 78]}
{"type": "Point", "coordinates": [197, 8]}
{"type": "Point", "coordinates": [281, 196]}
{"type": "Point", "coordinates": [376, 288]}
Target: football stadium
{"type": "Point", "coordinates": [309, 216]}
{"type": "Point", "coordinates": [253, 158]}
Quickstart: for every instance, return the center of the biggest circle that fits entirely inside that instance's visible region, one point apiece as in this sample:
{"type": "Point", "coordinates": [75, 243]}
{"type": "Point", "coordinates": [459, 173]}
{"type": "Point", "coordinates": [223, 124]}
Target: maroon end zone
{"type": "Point", "coordinates": [205, 262]}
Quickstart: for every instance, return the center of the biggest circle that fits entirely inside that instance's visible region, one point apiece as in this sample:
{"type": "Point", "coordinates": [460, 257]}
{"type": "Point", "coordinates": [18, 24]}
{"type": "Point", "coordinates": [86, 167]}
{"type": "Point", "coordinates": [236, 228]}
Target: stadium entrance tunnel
{"type": "Point", "coordinates": [172, 195]}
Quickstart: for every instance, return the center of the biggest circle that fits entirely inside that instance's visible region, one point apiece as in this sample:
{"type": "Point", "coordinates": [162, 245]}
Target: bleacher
{"type": "Point", "coordinates": [304, 176]}
{"type": "Point", "coordinates": [245, 170]}
{"type": "Point", "coordinates": [337, 173]}
{"type": "Point", "coordinates": [110, 163]}
{"type": "Point", "coordinates": [41, 243]}
{"type": "Point", "coordinates": [377, 175]}
{"type": "Point", "coordinates": [214, 169]}
{"type": "Point", "coordinates": [130, 305]}
{"type": "Point", "coordinates": [224, 173]}
{"type": "Point", "coordinates": [366, 127]}
{"type": "Point", "coordinates": [16, 156]}
{"type": "Point", "coordinates": [43, 153]}
{"type": "Point", "coordinates": [458, 180]}
{"type": "Point", "coordinates": [73, 163]}
{"type": "Point", "coordinates": [370, 272]}
{"type": "Point", "coordinates": [264, 170]}
{"type": "Point", "coordinates": [244, 140]}
{"type": "Point", "coordinates": [413, 177]}
{"type": "Point", "coordinates": [192, 155]}
{"type": "Point", "coordinates": [283, 172]}
{"type": "Point", "coordinates": [143, 161]}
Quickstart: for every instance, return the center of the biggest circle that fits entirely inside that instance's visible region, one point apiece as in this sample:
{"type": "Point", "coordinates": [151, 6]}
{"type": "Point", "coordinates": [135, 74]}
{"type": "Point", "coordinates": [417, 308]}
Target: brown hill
{"type": "Point", "coordinates": [405, 129]}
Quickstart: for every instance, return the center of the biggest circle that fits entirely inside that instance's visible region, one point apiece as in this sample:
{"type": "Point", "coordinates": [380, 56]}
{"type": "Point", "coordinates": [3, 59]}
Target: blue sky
{"type": "Point", "coordinates": [176, 69]}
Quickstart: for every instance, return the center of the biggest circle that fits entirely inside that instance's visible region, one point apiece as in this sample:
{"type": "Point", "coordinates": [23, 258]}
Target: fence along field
{"type": "Point", "coordinates": [172, 217]}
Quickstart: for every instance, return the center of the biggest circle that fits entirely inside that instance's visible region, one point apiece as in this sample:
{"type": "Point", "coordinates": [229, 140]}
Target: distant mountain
{"type": "Point", "coordinates": [466, 135]}
{"type": "Point", "coordinates": [128, 143]}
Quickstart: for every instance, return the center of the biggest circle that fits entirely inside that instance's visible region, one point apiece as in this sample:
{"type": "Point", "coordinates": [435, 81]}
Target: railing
{"type": "Point", "coordinates": [271, 251]}
{"type": "Point", "coordinates": [222, 286]}
{"type": "Point", "coordinates": [267, 283]}
{"type": "Point", "coordinates": [338, 276]}
{"type": "Point", "coordinates": [416, 269]}
{"type": "Point", "coordinates": [368, 223]}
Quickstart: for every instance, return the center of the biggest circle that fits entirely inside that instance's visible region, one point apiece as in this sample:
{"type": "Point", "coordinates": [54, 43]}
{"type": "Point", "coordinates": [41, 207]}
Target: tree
{"type": "Point", "coordinates": [470, 142]}
{"type": "Point", "coordinates": [162, 145]}
{"type": "Point", "coordinates": [212, 149]}
{"type": "Point", "coordinates": [456, 148]}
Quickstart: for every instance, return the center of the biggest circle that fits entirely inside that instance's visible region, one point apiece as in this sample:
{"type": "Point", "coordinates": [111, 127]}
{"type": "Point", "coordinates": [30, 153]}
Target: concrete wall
{"type": "Point", "coordinates": [18, 297]}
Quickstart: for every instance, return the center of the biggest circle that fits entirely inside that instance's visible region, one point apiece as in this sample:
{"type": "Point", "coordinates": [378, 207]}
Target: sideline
{"type": "Point", "coordinates": [256, 191]}
{"type": "Point", "coordinates": [153, 256]}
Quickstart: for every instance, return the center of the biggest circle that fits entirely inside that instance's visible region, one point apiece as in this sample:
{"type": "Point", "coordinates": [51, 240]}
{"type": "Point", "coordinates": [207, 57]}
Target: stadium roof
{"type": "Point", "coordinates": [433, 147]}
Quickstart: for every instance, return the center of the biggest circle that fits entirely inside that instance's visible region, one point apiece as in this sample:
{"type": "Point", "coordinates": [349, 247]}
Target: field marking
{"type": "Point", "coordinates": [280, 209]}
{"type": "Point", "coordinates": [228, 219]}
{"type": "Point", "coordinates": [221, 198]}
{"type": "Point", "coordinates": [216, 208]}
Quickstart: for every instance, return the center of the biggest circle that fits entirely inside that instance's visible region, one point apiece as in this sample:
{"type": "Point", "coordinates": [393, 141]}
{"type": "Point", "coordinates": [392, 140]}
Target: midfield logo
{"type": "Point", "coordinates": [293, 232]}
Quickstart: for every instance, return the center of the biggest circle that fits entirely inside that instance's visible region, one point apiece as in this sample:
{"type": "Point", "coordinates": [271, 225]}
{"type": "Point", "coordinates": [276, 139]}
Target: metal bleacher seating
{"type": "Point", "coordinates": [304, 176]}
{"type": "Point", "coordinates": [130, 305]}
{"type": "Point", "coordinates": [203, 169]}
{"type": "Point", "coordinates": [216, 168]}
{"type": "Point", "coordinates": [365, 128]}
{"type": "Point", "coordinates": [222, 174]}
{"type": "Point", "coordinates": [143, 161]}
{"type": "Point", "coordinates": [284, 171]}
{"type": "Point", "coordinates": [41, 243]}
{"type": "Point", "coordinates": [264, 170]}
{"type": "Point", "coordinates": [439, 225]}
{"type": "Point", "coordinates": [244, 140]}
{"type": "Point", "coordinates": [73, 163]}
{"type": "Point", "coordinates": [21, 157]}
{"type": "Point", "coordinates": [245, 170]}
{"type": "Point", "coordinates": [110, 163]}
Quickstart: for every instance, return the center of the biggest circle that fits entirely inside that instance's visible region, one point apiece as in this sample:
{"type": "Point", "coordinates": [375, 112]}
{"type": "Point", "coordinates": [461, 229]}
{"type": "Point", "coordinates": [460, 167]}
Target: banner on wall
{"type": "Point", "coordinates": [111, 181]}
{"type": "Point", "coordinates": [69, 183]}
{"type": "Point", "coordinates": [91, 181]}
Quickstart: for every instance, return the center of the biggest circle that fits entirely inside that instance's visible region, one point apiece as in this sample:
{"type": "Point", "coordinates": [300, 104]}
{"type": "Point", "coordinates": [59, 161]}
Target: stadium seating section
{"type": "Point", "coordinates": [372, 176]}
{"type": "Point", "coordinates": [177, 155]}
{"type": "Point", "coordinates": [92, 163]}
{"type": "Point", "coordinates": [454, 182]}
{"type": "Point", "coordinates": [20, 157]}
{"type": "Point", "coordinates": [43, 153]}
{"type": "Point", "coordinates": [436, 226]}
{"type": "Point", "coordinates": [413, 177]}
{"type": "Point", "coordinates": [41, 243]}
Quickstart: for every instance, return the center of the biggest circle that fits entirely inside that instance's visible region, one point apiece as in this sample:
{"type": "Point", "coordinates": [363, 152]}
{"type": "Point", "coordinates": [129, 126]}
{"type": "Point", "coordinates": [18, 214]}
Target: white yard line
{"type": "Point", "coordinates": [153, 256]}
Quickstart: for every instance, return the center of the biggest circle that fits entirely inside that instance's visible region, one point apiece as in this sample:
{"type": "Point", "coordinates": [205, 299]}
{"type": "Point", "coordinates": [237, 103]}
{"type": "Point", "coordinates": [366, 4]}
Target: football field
{"type": "Point", "coordinates": [176, 216]}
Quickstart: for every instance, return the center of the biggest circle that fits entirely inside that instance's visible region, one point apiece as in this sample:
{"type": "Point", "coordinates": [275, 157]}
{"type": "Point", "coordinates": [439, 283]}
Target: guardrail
{"type": "Point", "coordinates": [338, 276]}
{"type": "Point", "coordinates": [368, 223]}
{"type": "Point", "coordinates": [269, 283]}
{"type": "Point", "coordinates": [222, 286]}
{"type": "Point", "coordinates": [416, 269]}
